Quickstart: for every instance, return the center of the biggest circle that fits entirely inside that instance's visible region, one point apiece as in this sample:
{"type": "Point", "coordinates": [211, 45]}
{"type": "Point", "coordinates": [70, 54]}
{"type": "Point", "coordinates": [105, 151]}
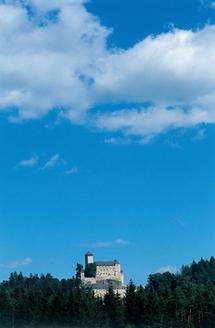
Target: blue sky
{"type": "Point", "coordinates": [106, 134]}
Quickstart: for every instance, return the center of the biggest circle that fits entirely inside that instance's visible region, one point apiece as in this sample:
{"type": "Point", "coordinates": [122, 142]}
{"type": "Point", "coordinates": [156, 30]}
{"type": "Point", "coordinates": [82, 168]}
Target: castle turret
{"type": "Point", "coordinates": [88, 258]}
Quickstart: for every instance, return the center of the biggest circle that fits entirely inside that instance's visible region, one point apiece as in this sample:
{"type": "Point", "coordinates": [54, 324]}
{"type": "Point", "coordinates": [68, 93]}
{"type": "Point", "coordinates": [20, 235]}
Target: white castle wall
{"type": "Point", "coordinates": [88, 281]}
{"type": "Point", "coordinates": [102, 292]}
{"type": "Point", "coordinates": [109, 272]}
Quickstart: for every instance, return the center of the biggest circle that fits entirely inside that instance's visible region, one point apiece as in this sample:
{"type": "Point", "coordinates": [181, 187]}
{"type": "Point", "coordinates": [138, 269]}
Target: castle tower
{"type": "Point", "coordinates": [88, 258]}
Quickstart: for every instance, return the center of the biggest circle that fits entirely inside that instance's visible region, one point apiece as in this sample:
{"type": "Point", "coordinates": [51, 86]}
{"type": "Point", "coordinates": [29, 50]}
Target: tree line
{"type": "Point", "coordinates": [182, 300]}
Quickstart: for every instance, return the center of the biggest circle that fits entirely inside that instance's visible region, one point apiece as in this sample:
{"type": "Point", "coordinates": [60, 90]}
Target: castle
{"type": "Point", "coordinates": [101, 275]}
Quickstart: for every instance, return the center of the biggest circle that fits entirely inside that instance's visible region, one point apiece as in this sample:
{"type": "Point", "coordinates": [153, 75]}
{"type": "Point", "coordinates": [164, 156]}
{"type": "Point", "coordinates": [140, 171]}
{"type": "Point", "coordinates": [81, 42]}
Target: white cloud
{"type": "Point", "coordinates": [200, 135]}
{"type": "Point", "coordinates": [16, 264]}
{"type": "Point", "coordinates": [51, 162]}
{"type": "Point", "coordinates": [73, 170]}
{"type": "Point", "coordinates": [29, 162]}
{"type": "Point", "coordinates": [208, 3]}
{"type": "Point", "coordinates": [63, 63]}
{"type": "Point", "coordinates": [104, 244]}
{"type": "Point", "coordinates": [101, 244]}
{"type": "Point", "coordinates": [46, 64]}
{"type": "Point", "coordinates": [174, 145]}
{"type": "Point", "coordinates": [167, 269]}
{"type": "Point", "coordinates": [179, 222]}
{"type": "Point", "coordinates": [111, 141]}
{"type": "Point", "coordinates": [148, 122]}
{"type": "Point", "coordinates": [118, 141]}
{"type": "Point", "coordinates": [121, 242]}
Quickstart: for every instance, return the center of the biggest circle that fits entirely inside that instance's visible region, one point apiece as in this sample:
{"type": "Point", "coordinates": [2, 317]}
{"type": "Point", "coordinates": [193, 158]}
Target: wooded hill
{"type": "Point", "coordinates": [182, 300]}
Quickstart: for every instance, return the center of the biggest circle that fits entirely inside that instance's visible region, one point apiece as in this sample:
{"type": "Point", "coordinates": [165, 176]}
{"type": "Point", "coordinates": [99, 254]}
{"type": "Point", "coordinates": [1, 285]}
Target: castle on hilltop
{"type": "Point", "coordinates": [100, 275]}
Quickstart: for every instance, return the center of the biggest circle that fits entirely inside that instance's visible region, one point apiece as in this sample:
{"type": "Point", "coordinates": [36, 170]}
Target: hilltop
{"type": "Point", "coordinates": [185, 299]}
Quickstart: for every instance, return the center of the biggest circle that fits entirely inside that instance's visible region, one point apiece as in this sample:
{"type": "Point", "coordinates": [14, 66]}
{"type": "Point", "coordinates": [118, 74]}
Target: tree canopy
{"type": "Point", "coordinates": [182, 300]}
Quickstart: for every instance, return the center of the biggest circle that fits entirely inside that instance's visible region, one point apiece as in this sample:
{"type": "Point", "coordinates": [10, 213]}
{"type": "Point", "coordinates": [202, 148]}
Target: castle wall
{"type": "Point", "coordinates": [109, 272]}
{"type": "Point", "coordinates": [88, 280]}
{"type": "Point", "coordinates": [102, 292]}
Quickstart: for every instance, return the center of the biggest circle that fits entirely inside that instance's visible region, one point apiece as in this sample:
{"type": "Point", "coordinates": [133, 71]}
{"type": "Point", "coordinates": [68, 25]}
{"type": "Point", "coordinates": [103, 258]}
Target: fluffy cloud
{"type": "Point", "coordinates": [151, 121]}
{"type": "Point", "coordinates": [208, 3]}
{"type": "Point", "coordinates": [200, 135]}
{"type": "Point", "coordinates": [171, 72]}
{"type": "Point", "coordinates": [121, 242]}
{"type": "Point", "coordinates": [72, 171]}
{"type": "Point", "coordinates": [54, 56]}
{"type": "Point", "coordinates": [29, 162]}
{"type": "Point", "coordinates": [104, 244]}
{"type": "Point", "coordinates": [48, 63]}
{"type": "Point", "coordinates": [16, 264]}
{"type": "Point", "coordinates": [52, 162]}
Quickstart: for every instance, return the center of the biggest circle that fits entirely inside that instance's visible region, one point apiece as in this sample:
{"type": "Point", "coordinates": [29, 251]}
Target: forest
{"type": "Point", "coordinates": [182, 300]}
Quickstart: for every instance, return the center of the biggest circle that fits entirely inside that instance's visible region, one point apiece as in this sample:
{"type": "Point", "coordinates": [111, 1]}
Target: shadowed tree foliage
{"type": "Point", "coordinates": [182, 300]}
{"type": "Point", "coordinates": [79, 269]}
{"type": "Point", "coordinates": [113, 308]}
{"type": "Point", "coordinates": [90, 270]}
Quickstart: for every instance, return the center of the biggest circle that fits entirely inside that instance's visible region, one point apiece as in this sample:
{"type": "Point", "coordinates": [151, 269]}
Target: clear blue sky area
{"type": "Point", "coordinates": [67, 188]}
